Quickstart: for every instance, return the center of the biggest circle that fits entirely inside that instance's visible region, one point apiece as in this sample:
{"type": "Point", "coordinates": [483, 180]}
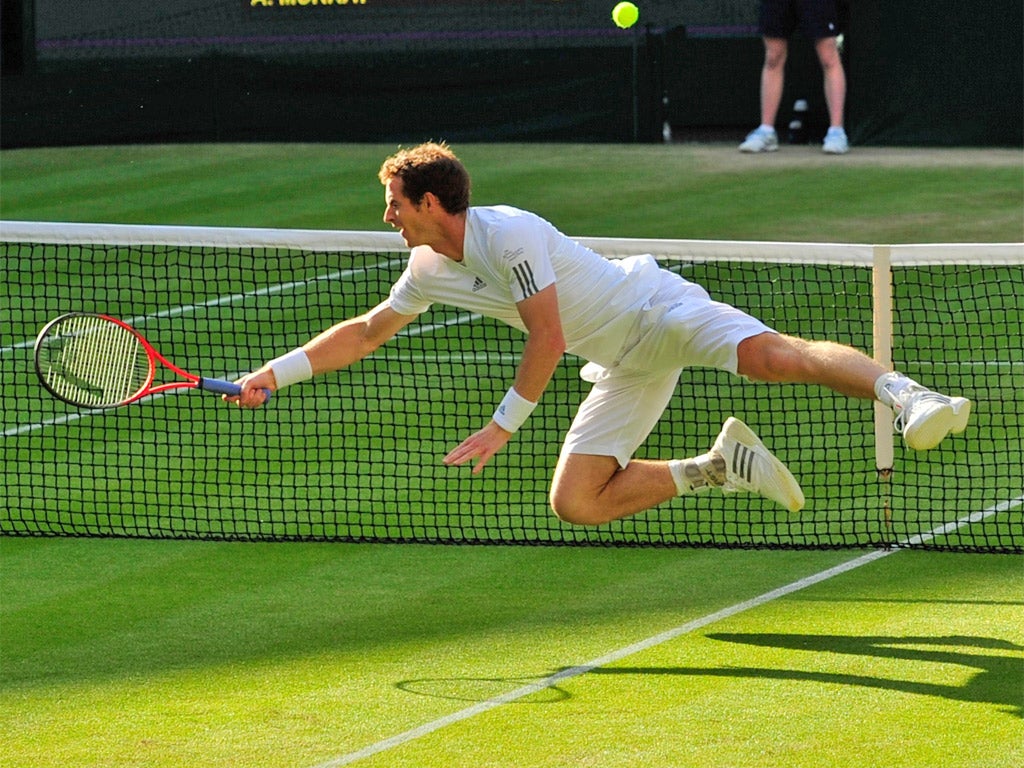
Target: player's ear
{"type": "Point", "coordinates": [432, 202]}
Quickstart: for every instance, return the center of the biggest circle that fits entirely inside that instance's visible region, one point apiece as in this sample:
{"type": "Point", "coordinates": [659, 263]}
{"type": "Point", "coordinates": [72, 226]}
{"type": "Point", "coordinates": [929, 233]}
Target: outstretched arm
{"type": "Point", "coordinates": [545, 345]}
{"type": "Point", "coordinates": [339, 346]}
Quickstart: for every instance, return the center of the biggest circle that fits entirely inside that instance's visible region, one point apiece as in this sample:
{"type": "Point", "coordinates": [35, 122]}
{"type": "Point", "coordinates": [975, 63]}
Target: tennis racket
{"type": "Point", "coordinates": [96, 361]}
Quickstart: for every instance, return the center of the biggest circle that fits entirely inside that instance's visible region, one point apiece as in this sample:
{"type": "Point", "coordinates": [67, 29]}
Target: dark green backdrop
{"type": "Point", "coordinates": [922, 72]}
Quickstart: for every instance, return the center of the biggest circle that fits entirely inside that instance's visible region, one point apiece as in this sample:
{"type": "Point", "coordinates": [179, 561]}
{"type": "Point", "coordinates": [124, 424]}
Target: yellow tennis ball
{"type": "Point", "coordinates": [625, 15]}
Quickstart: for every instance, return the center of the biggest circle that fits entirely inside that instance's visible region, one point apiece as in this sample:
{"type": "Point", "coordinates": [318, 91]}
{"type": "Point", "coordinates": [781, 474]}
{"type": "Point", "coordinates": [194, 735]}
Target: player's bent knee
{"type": "Point", "coordinates": [570, 508]}
{"type": "Point", "coordinates": [578, 489]}
{"type": "Point", "coordinates": [565, 510]}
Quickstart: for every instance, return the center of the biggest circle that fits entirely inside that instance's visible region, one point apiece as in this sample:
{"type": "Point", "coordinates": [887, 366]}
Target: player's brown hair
{"type": "Point", "coordinates": [430, 167]}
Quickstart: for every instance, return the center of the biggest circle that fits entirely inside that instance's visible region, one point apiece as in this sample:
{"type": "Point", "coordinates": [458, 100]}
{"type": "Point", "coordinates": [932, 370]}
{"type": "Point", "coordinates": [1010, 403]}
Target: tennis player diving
{"type": "Point", "coordinates": [637, 325]}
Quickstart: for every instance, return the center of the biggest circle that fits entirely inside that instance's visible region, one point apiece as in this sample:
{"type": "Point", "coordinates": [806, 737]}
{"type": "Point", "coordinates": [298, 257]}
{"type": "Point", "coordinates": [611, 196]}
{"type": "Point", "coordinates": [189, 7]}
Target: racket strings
{"type": "Point", "coordinates": [94, 362]}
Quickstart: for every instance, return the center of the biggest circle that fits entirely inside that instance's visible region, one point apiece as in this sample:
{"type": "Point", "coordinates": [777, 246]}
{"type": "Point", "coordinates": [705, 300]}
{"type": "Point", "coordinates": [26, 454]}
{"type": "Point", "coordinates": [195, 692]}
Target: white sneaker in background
{"type": "Point", "coordinates": [835, 142]}
{"type": "Point", "coordinates": [760, 139]}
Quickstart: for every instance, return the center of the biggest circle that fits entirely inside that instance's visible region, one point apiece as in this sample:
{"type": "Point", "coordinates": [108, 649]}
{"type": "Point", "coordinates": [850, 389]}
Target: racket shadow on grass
{"type": "Point", "coordinates": [478, 689]}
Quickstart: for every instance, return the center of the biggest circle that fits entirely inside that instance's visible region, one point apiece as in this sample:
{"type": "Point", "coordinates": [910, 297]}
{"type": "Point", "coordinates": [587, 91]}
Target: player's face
{"type": "Point", "coordinates": [410, 220]}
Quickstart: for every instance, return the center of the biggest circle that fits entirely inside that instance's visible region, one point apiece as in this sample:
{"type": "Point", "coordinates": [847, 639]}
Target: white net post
{"type": "Point", "coordinates": [881, 299]}
{"type": "Point", "coordinates": [881, 325]}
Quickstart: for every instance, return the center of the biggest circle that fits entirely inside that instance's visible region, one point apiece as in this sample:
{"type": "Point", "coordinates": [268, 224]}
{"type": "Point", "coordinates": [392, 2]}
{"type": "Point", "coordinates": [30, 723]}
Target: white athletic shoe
{"type": "Point", "coordinates": [760, 140]}
{"type": "Point", "coordinates": [926, 417]}
{"type": "Point", "coordinates": [835, 142]}
{"type": "Point", "coordinates": [750, 466]}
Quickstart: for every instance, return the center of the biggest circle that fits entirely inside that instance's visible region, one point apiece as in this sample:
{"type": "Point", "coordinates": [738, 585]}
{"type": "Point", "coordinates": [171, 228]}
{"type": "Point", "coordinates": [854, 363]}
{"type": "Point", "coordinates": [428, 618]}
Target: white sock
{"type": "Point", "coordinates": [697, 474]}
{"type": "Point", "coordinates": [889, 388]}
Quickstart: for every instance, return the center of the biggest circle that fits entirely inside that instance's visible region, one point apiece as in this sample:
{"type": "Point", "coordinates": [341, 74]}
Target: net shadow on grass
{"type": "Point", "coordinates": [999, 681]}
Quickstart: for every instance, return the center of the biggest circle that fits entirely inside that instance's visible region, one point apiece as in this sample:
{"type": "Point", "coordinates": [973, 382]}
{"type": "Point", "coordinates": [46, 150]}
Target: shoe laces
{"type": "Point", "coordinates": [912, 398]}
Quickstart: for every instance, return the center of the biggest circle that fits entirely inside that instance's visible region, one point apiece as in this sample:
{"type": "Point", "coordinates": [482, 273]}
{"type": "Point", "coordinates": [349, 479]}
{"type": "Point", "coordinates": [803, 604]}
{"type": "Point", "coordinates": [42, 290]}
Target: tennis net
{"type": "Point", "coordinates": [356, 455]}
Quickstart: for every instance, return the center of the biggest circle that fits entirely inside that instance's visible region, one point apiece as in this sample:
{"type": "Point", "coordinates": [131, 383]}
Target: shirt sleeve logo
{"type": "Point", "coordinates": [524, 276]}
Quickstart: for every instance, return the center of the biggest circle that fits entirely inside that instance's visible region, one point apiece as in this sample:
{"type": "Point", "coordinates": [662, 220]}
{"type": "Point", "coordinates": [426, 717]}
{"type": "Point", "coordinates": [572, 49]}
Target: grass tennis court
{"type": "Point", "coordinates": [178, 653]}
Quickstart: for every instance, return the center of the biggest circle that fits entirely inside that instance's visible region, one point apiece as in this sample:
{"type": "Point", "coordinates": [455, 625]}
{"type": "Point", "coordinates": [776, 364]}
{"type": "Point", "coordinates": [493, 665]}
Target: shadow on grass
{"type": "Point", "coordinates": [999, 682]}
{"type": "Point", "coordinates": [476, 689]}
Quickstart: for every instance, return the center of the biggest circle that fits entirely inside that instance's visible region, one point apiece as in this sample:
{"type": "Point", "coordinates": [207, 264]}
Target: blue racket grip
{"type": "Point", "coordinates": [228, 388]}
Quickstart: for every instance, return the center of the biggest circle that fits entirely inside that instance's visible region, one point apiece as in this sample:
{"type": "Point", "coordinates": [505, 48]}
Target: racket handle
{"type": "Point", "coordinates": [229, 388]}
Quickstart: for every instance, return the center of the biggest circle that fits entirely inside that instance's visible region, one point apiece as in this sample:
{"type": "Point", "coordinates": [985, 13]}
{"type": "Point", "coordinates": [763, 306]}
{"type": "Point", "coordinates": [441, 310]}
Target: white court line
{"type": "Point", "coordinates": [220, 301]}
{"type": "Point", "coordinates": [271, 290]}
{"type": "Point", "coordinates": [68, 418]}
{"type": "Point", "coordinates": [671, 634]}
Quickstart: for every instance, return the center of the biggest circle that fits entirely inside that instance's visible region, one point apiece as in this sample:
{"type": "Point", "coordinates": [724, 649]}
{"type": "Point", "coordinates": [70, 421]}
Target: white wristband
{"type": "Point", "coordinates": [513, 411]}
{"type": "Point", "coordinates": [291, 368]}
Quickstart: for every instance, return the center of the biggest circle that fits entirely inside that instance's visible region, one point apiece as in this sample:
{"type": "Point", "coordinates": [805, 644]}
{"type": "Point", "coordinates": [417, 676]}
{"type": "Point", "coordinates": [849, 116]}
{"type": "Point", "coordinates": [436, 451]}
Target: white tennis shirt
{"type": "Point", "coordinates": [508, 256]}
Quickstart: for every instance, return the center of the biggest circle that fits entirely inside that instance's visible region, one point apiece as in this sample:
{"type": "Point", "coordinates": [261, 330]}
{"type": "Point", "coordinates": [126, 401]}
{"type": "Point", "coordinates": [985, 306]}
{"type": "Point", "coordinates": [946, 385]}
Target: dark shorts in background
{"type": "Point", "coordinates": [815, 18]}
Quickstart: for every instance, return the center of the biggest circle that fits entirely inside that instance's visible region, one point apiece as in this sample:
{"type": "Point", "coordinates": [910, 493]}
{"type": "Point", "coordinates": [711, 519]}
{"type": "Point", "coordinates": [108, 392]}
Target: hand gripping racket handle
{"type": "Point", "coordinates": [228, 388]}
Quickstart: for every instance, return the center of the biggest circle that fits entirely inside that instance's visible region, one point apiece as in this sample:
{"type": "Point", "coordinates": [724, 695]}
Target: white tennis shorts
{"type": "Point", "coordinates": [680, 327]}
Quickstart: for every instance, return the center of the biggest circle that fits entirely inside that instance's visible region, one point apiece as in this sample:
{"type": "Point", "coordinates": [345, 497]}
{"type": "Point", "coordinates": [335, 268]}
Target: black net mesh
{"type": "Point", "coordinates": [356, 455]}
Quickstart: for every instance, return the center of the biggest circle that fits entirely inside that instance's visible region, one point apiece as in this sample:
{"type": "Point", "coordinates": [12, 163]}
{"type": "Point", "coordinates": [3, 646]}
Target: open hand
{"type": "Point", "coordinates": [480, 445]}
